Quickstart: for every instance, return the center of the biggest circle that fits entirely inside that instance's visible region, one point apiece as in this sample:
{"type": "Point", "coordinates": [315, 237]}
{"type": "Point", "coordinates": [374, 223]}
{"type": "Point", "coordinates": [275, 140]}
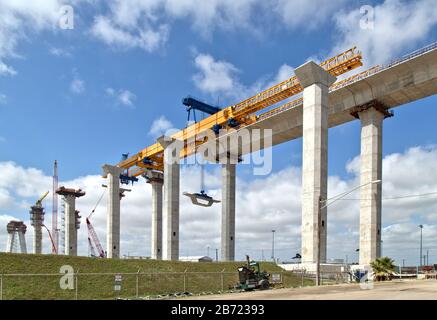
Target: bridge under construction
{"type": "Point", "coordinates": [367, 97]}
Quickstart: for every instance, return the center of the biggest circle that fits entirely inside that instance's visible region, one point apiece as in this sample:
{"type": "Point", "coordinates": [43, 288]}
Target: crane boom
{"type": "Point", "coordinates": [93, 235]}
{"type": "Point", "coordinates": [91, 246]}
{"type": "Point", "coordinates": [39, 201]}
{"type": "Point", "coordinates": [240, 114]}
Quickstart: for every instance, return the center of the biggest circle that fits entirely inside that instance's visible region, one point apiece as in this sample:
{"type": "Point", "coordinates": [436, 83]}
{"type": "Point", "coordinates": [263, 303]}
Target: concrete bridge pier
{"type": "Point", "coordinates": [72, 218]}
{"type": "Point", "coordinates": [156, 180]}
{"type": "Point", "coordinates": [315, 81]}
{"type": "Point", "coordinates": [370, 194]}
{"type": "Point", "coordinates": [172, 149]}
{"type": "Point", "coordinates": [228, 211]}
{"type": "Point", "coordinates": [113, 214]}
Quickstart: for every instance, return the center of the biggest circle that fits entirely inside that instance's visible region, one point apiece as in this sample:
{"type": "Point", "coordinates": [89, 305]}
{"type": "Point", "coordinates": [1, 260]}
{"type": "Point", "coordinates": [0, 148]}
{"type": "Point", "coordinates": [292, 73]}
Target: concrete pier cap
{"type": "Point", "coordinates": [108, 169]}
{"type": "Point", "coordinates": [310, 73]}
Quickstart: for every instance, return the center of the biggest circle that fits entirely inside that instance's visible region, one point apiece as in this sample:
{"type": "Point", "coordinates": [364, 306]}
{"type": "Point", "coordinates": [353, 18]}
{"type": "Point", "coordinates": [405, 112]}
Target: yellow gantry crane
{"type": "Point", "coordinates": [238, 115]}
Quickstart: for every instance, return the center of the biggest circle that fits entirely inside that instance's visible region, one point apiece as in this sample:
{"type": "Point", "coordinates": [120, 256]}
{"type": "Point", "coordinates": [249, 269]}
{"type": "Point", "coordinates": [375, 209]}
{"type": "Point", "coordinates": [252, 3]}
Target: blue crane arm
{"type": "Point", "coordinates": [192, 103]}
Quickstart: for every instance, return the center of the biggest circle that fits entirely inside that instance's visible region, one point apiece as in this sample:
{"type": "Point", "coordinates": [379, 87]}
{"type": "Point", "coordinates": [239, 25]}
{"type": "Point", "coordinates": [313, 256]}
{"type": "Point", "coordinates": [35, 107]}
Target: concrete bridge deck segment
{"type": "Point", "coordinates": [393, 86]}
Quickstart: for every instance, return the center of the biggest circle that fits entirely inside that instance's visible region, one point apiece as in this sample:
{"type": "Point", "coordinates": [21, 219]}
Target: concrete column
{"type": "Point", "coordinates": [156, 180]}
{"type": "Point", "coordinates": [37, 239]}
{"type": "Point", "coordinates": [113, 214]}
{"type": "Point", "coordinates": [70, 226]}
{"type": "Point", "coordinates": [172, 150]}
{"type": "Point", "coordinates": [228, 212]}
{"type": "Point", "coordinates": [370, 194]}
{"type": "Point", "coordinates": [10, 243]}
{"type": "Point", "coordinates": [315, 81]}
{"type": "Point", "coordinates": [37, 220]}
{"type": "Point", "coordinates": [22, 239]}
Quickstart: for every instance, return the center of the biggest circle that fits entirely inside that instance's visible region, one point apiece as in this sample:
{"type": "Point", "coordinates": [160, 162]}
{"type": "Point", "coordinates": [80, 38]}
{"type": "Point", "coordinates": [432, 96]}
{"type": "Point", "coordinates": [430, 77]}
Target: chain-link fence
{"type": "Point", "coordinates": [140, 285]}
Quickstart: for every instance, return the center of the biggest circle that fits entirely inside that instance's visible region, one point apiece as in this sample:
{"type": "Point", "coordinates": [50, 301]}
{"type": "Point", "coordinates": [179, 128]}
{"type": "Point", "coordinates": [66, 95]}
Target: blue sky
{"type": "Point", "coordinates": [87, 95]}
{"type": "Point", "coordinates": [43, 120]}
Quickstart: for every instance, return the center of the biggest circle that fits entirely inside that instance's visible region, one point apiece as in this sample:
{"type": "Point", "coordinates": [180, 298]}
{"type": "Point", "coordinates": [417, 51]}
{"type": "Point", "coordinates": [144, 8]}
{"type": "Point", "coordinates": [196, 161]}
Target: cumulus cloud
{"type": "Point", "coordinates": [215, 75]}
{"type": "Point", "coordinates": [146, 24]}
{"type": "Point", "coordinates": [160, 126]}
{"type": "Point", "coordinates": [220, 78]}
{"type": "Point", "coordinates": [146, 38]}
{"type": "Point", "coordinates": [272, 202]}
{"type": "Point", "coordinates": [122, 96]}
{"type": "Point", "coordinates": [304, 14]}
{"type": "Point", "coordinates": [6, 70]}
{"type": "Point", "coordinates": [20, 19]}
{"type": "Point", "coordinates": [398, 26]}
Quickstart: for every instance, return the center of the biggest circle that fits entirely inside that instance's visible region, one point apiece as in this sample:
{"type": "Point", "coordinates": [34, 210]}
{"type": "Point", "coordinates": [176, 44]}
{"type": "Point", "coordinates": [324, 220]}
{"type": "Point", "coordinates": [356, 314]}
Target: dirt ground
{"type": "Point", "coordinates": [393, 290]}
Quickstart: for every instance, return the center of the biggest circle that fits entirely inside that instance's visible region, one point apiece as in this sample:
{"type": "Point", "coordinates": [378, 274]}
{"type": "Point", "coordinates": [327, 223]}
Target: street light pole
{"type": "Point", "coordinates": [319, 218]}
{"type": "Point", "coordinates": [273, 245]}
{"type": "Point", "coordinates": [421, 256]}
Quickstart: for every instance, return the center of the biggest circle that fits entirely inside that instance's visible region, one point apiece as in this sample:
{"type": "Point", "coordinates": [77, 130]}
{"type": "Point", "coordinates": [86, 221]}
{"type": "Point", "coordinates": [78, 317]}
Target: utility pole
{"type": "Point", "coordinates": [216, 255]}
{"type": "Point", "coordinates": [427, 257]}
{"type": "Point", "coordinates": [319, 218]}
{"type": "Point", "coordinates": [273, 245]}
{"type": "Point", "coordinates": [421, 238]}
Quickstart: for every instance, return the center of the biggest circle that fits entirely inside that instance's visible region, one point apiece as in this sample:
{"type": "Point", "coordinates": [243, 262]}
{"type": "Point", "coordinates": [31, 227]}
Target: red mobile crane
{"type": "Point", "coordinates": [93, 240]}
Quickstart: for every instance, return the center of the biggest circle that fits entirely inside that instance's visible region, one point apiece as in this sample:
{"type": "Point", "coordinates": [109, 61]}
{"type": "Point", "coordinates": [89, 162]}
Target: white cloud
{"type": "Point", "coordinates": [6, 70]}
{"type": "Point", "coordinates": [303, 14]}
{"type": "Point", "coordinates": [160, 126]}
{"type": "Point", "coordinates": [398, 26]}
{"type": "Point", "coordinates": [19, 19]}
{"type": "Point", "coordinates": [214, 75]}
{"type": "Point", "coordinates": [60, 52]}
{"type": "Point", "coordinates": [147, 39]}
{"type": "Point", "coordinates": [146, 24]}
{"type": "Point", "coordinates": [122, 96]}
{"type": "Point", "coordinates": [263, 204]}
{"type": "Point", "coordinates": [77, 86]}
{"type": "Point", "coordinates": [220, 78]}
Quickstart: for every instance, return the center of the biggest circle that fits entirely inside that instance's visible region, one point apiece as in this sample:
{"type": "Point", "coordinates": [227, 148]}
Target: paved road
{"type": "Point", "coordinates": [397, 290]}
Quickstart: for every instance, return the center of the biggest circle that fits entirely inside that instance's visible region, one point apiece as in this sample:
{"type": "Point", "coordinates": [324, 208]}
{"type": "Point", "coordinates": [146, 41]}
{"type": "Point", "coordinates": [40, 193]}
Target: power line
{"type": "Point", "coordinates": [397, 197]}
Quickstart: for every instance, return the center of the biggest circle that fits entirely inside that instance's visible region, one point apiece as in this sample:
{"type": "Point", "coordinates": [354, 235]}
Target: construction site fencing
{"type": "Point", "coordinates": [141, 285]}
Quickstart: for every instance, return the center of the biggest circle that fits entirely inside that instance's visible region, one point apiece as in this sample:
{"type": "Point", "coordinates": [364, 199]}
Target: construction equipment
{"type": "Point", "coordinates": [92, 235]}
{"type": "Point", "coordinates": [125, 178]}
{"type": "Point", "coordinates": [38, 202]}
{"type": "Point", "coordinates": [251, 277]}
{"type": "Point", "coordinates": [54, 248]}
{"type": "Point", "coordinates": [201, 199]}
{"type": "Point", "coordinates": [194, 104]}
{"type": "Point", "coordinates": [235, 116]}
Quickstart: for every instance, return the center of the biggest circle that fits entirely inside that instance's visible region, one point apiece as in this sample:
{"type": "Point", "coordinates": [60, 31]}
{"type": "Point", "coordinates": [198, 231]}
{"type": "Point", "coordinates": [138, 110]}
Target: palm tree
{"type": "Point", "coordinates": [383, 268]}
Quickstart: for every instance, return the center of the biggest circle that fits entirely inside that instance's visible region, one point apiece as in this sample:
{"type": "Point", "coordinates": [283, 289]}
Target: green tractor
{"type": "Point", "coordinates": [251, 277]}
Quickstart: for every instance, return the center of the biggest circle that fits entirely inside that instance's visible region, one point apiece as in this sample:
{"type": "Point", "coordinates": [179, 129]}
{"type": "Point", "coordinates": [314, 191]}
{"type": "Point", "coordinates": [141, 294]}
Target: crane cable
{"type": "Point", "coordinates": [202, 166]}
{"type": "Point", "coordinates": [97, 204]}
